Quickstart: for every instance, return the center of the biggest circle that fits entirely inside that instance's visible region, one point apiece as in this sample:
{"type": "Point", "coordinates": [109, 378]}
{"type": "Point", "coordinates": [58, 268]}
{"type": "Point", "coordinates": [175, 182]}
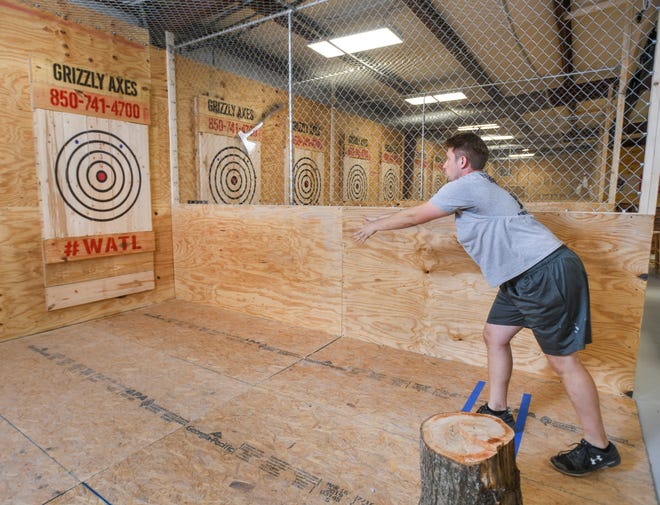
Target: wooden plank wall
{"type": "Point", "coordinates": [27, 33]}
{"type": "Point", "coordinates": [414, 289]}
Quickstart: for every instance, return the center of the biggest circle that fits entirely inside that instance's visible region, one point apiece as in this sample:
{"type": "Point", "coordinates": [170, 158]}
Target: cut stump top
{"type": "Point", "coordinates": [465, 437]}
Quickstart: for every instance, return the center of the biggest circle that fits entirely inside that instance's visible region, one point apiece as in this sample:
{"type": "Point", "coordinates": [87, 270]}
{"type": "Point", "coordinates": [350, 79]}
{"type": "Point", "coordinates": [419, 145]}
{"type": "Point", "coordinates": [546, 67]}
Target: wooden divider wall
{"type": "Point", "coordinates": [281, 263]}
{"type": "Point", "coordinates": [413, 289]}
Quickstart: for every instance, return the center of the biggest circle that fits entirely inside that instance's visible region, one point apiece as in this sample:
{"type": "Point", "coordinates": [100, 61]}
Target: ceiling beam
{"type": "Point", "coordinates": [443, 31]}
{"type": "Point", "coordinates": [561, 10]}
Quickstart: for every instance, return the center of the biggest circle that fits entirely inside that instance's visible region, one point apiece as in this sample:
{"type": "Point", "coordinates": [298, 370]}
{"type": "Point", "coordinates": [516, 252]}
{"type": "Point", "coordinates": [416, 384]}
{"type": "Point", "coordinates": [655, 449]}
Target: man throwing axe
{"type": "Point", "coordinates": [542, 286]}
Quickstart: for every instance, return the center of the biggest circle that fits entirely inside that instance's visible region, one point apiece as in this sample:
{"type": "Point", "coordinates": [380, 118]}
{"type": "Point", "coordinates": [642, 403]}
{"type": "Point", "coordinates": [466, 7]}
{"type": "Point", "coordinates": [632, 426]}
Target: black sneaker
{"type": "Point", "coordinates": [504, 415]}
{"type": "Point", "coordinates": [585, 458]}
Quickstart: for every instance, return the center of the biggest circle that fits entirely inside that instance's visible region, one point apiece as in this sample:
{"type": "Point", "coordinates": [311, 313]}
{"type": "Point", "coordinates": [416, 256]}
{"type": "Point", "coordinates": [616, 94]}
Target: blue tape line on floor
{"type": "Point", "coordinates": [98, 495]}
{"type": "Point", "coordinates": [522, 416]}
{"type": "Point", "coordinates": [473, 397]}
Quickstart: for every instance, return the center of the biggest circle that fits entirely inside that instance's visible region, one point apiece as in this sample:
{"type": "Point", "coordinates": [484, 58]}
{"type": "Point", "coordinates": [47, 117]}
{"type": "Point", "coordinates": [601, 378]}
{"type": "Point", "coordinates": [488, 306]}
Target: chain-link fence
{"type": "Point", "coordinates": [558, 89]}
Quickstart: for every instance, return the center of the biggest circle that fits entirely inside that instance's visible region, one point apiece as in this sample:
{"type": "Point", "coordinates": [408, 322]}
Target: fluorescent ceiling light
{"type": "Point", "coordinates": [486, 138]}
{"type": "Point", "coordinates": [521, 155]}
{"type": "Point", "coordinates": [326, 49]}
{"type": "Point", "coordinates": [355, 43]}
{"type": "Point", "coordinates": [477, 127]}
{"type": "Point", "coordinates": [448, 97]}
{"type": "Point", "coordinates": [421, 99]}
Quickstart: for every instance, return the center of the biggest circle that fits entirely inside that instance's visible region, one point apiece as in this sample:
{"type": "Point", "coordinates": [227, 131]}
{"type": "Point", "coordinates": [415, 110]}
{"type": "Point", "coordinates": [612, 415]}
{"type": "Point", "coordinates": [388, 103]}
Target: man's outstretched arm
{"type": "Point", "coordinates": [403, 219]}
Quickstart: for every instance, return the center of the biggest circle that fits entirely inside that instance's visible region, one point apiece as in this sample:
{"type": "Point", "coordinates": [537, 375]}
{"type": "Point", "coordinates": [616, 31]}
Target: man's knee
{"type": "Point", "coordinates": [499, 335]}
{"type": "Point", "coordinates": [563, 365]}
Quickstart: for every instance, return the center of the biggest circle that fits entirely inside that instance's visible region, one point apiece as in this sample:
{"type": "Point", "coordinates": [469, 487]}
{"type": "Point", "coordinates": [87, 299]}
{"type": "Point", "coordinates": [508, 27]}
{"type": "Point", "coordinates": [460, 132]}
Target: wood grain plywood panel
{"type": "Point", "coordinates": [339, 425]}
{"type": "Point", "coordinates": [88, 291]}
{"type": "Point", "coordinates": [283, 263]}
{"type": "Point", "coordinates": [104, 396]}
{"type": "Point", "coordinates": [28, 475]}
{"type": "Point", "coordinates": [417, 290]}
{"type": "Point", "coordinates": [21, 282]}
{"type": "Point", "coordinates": [67, 273]}
{"type": "Point", "coordinates": [290, 452]}
{"type": "Point", "coordinates": [264, 332]}
{"type": "Point", "coordinates": [244, 347]}
{"type": "Point", "coordinates": [352, 377]}
{"type": "Point", "coordinates": [409, 289]}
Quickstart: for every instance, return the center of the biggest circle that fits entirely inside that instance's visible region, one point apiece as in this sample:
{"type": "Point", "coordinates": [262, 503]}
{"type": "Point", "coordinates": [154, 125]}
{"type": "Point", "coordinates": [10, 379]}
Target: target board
{"type": "Point", "coordinates": [307, 182]}
{"type": "Point", "coordinates": [228, 173]}
{"type": "Point", "coordinates": [306, 185]}
{"type": "Point", "coordinates": [92, 146]}
{"type": "Point", "coordinates": [357, 170]}
{"type": "Point", "coordinates": [390, 177]}
{"type": "Point", "coordinates": [96, 204]}
{"type": "Point", "coordinates": [93, 174]}
{"type": "Point", "coordinates": [356, 180]}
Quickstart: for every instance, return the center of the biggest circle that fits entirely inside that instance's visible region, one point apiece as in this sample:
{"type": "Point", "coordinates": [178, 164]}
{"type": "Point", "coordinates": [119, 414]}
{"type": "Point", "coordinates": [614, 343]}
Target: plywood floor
{"type": "Point", "coordinates": [179, 403]}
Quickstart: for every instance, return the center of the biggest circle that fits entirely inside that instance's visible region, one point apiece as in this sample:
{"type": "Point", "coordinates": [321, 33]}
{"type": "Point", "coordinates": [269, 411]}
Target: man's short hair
{"type": "Point", "coordinates": [471, 146]}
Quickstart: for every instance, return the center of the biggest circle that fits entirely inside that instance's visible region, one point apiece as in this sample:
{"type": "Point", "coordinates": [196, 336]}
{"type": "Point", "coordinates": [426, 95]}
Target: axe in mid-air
{"type": "Point", "coordinates": [248, 144]}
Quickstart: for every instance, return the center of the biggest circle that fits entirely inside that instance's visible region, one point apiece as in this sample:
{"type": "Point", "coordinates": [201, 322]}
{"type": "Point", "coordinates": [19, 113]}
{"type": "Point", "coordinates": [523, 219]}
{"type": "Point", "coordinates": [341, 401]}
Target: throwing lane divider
{"type": "Point", "coordinates": [522, 412]}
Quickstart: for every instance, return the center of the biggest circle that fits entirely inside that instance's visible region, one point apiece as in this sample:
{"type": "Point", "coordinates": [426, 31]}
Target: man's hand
{"type": "Point", "coordinates": [365, 232]}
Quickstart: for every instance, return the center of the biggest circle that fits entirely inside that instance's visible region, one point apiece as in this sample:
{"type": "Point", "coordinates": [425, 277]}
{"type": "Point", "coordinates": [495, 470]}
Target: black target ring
{"type": "Point", "coordinates": [390, 185]}
{"type": "Point", "coordinates": [98, 175]}
{"type": "Point", "coordinates": [232, 178]}
{"type": "Point", "coordinates": [357, 183]}
{"type": "Point", "coordinates": [306, 182]}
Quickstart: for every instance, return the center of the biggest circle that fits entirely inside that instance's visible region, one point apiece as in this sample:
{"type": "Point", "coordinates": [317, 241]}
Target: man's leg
{"type": "Point", "coordinates": [500, 362]}
{"type": "Point", "coordinates": [583, 394]}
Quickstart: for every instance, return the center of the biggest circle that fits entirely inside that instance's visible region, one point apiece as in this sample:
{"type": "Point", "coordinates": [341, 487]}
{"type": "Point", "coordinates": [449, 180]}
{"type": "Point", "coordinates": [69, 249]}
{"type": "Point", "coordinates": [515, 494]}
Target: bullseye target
{"type": "Point", "coordinates": [356, 183]}
{"type": "Point", "coordinates": [390, 183]}
{"type": "Point", "coordinates": [306, 182]}
{"type": "Point", "coordinates": [98, 175]}
{"type": "Point", "coordinates": [232, 177]}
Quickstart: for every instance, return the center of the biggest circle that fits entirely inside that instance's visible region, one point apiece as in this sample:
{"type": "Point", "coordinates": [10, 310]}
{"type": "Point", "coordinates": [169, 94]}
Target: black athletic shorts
{"type": "Point", "coordinates": [552, 299]}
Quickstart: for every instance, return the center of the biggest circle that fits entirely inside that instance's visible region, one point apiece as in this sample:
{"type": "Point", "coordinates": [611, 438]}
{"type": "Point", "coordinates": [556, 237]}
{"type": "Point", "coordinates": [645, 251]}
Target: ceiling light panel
{"type": "Point", "coordinates": [419, 100]}
{"type": "Point", "coordinates": [449, 97]}
{"type": "Point", "coordinates": [373, 39]}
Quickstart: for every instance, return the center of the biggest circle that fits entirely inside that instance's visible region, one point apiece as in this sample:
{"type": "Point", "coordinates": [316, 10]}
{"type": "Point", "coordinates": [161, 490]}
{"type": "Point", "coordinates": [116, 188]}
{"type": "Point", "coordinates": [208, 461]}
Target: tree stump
{"type": "Point", "coordinates": [468, 459]}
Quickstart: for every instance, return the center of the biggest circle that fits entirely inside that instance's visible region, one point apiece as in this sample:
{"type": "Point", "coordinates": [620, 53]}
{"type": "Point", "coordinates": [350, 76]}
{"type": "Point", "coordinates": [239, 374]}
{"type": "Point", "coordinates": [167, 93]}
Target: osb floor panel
{"type": "Point", "coordinates": [180, 403]}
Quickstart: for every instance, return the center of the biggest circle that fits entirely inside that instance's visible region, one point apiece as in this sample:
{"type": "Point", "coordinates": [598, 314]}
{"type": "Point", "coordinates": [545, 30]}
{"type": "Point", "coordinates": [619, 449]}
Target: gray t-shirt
{"type": "Point", "coordinates": [494, 228]}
